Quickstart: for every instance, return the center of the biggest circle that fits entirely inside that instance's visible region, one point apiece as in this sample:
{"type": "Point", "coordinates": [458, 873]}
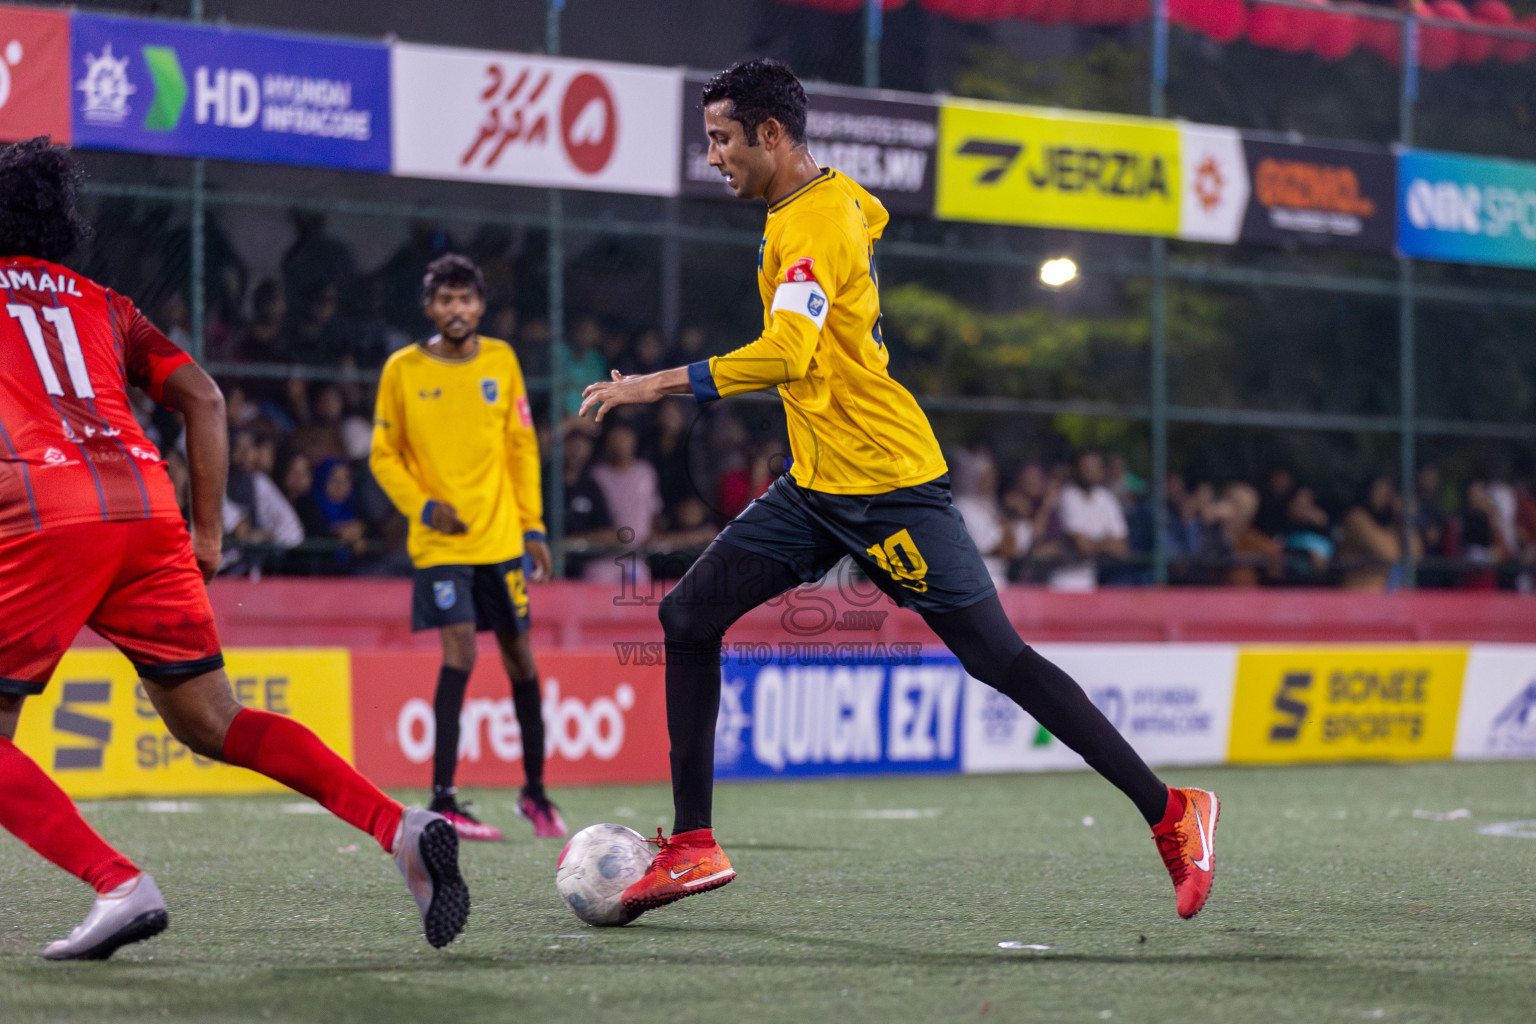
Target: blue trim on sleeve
{"type": "Point", "coordinates": [537, 535]}
{"type": "Point", "coordinates": [702, 382]}
{"type": "Point", "coordinates": [426, 511]}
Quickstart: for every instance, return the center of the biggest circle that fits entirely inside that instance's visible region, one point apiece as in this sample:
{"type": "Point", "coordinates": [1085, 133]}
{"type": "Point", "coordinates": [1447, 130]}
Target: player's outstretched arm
{"type": "Point", "coordinates": [193, 393]}
{"type": "Point", "coordinates": [638, 389]}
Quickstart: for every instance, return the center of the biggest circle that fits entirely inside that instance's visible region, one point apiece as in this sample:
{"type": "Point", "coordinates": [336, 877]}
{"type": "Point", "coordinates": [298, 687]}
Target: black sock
{"type": "Point", "coordinates": [530, 718]}
{"type": "Point", "coordinates": [990, 649]}
{"type": "Point", "coordinates": [1054, 700]}
{"type": "Point", "coordinates": [447, 703]}
{"type": "Point", "coordinates": [693, 705]}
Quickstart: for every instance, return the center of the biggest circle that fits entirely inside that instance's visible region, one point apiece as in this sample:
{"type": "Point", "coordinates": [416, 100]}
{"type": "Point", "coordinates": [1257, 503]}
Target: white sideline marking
{"type": "Point", "coordinates": [170, 807]}
{"type": "Point", "coordinates": [1458, 813]}
{"type": "Point", "coordinates": [898, 814]}
{"type": "Point", "coordinates": [1514, 829]}
{"type": "Point", "coordinates": [1021, 945]}
{"type": "Point", "coordinates": [304, 808]}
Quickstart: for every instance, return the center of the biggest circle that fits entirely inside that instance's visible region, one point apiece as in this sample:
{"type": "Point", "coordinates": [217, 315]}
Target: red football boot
{"type": "Point", "coordinates": [687, 864]}
{"type": "Point", "coordinates": [1184, 838]}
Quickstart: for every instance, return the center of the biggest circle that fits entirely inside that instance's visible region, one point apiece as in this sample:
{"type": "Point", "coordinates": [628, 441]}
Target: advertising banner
{"type": "Point", "coordinates": [604, 722]}
{"type": "Point", "coordinates": [1173, 703]}
{"type": "Point", "coordinates": [791, 717]}
{"type": "Point", "coordinates": [888, 145]}
{"type": "Point", "coordinates": [1498, 704]}
{"type": "Point", "coordinates": [1346, 703]}
{"type": "Point", "coordinates": [519, 119]}
{"type": "Point", "coordinates": [34, 74]}
{"type": "Point", "coordinates": [1215, 183]}
{"type": "Point", "coordinates": [1005, 164]}
{"type": "Point", "coordinates": [95, 731]}
{"type": "Point", "coordinates": [1320, 196]}
{"type": "Point", "coordinates": [1466, 210]}
{"type": "Point", "coordinates": [182, 90]}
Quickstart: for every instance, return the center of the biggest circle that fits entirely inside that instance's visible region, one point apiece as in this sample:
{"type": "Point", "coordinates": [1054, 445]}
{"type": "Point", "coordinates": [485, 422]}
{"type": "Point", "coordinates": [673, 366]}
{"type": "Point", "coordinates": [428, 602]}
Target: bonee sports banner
{"type": "Point", "coordinates": [520, 119]}
{"type": "Point", "coordinates": [202, 91]}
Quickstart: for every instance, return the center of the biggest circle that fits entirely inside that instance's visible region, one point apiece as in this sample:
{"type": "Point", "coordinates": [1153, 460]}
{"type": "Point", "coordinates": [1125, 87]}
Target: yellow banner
{"type": "Point", "coordinates": [95, 731]}
{"type": "Point", "coordinates": [1006, 164]}
{"type": "Point", "coordinates": [1346, 703]}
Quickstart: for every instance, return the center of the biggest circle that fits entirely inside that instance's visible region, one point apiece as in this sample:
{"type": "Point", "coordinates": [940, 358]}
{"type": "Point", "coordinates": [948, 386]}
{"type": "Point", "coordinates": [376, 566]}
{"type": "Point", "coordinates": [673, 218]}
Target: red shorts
{"type": "Point", "coordinates": [135, 583]}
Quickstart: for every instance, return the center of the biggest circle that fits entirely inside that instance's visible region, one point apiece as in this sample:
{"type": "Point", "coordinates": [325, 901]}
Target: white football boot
{"type": "Point", "coordinates": [132, 912]}
{"type": "Point", "coordinates": [427, 854]}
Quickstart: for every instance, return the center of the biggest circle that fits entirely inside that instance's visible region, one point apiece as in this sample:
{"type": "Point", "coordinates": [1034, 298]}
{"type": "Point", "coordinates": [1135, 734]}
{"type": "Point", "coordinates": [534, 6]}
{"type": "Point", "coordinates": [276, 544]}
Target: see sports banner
{"type": "Point", "coordinates": [519, 119]}
{"type": "Point", "coordinates": [1466, 210]}
{"type": "Point", "coordinates": [34, 74]}
{"type": "Point", "coordinates": [95, 731]}
{"type": "Point", "coordinates": [1003, 164]}
{"type": "Point", "coordinates": [887, 142]}
{"type": "Point", "coordinates": [182, 90]}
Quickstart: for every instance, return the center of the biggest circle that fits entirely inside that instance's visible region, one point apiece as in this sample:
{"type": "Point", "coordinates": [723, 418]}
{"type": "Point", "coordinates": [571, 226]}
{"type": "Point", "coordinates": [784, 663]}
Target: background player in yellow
{"type": "Point", "coordinates": [455, 449]}
{"type": "Point", "coordinates": [867, 480]}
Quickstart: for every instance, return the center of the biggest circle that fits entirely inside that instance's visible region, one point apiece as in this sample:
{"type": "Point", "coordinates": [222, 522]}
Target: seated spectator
{"type": "Point", "coordinates": [666, 448]}
{"type": "Point", "coordinates": [1031, 504]}
{"type": "Point", "coordinates": [693, 527]}
{"type": "Point", "coordinates": [745, 483]}
{"type": "Point", "coordinates": [1432, 523]}
{"type": "Point", "coordinates": [629, 489]}
{"type": "Point", "coordinates": [1307, 538]}
{"type": "Point", "coordinates": [1477, 539]}
{"type": "Point", "coordinates": [1371, 544]}
{"type": "Point", "coordinates": [319, 410]}
{"type": "Point", "coordinates": [1254, 555]}
{"type": "Point", "coordinates": [1279, 486]}
{"type": "Point", "coordinates": [264, 515]}
{"type": "Point", "coordinates": [974, 477]}
{"type": "Point", "coordinates": [263, 339]}
{"type": "Point", "coordinates": [1093, 522]}
{"type": "Point", "coordinates": [333, 492]}
{"type": "Point", "coordinates": [587, 522]}
{"type": "Point", "coordinates": [298, 488]}
{"type": "Point", "coordinates": [1188, 533]}
{"type": "Point", "coordinates": [584, 362]}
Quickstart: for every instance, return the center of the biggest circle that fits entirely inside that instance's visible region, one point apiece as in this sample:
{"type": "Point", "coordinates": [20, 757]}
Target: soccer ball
{"type": "Point", "coordinates": [595, 868]}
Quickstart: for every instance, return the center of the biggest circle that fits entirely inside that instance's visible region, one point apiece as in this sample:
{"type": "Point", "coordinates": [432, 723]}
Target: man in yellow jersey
{"type": "Point", "coordinates": [454, 447]}
{"type": "Point", "coordinates": [867, 480]}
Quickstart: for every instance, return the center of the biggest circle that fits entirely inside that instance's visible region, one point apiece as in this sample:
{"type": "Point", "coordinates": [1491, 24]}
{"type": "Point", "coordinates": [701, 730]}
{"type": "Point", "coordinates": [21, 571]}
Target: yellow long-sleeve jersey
{"type": "Point", "coordinates": [852, 428]}
{"type": "Point", "coordinates": [459, 431]}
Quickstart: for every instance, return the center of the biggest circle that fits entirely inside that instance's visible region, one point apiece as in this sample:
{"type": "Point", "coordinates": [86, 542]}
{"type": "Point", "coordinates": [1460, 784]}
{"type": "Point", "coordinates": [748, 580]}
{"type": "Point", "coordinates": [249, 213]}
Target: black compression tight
{"type": "Point", "coordinates": [727, 582]}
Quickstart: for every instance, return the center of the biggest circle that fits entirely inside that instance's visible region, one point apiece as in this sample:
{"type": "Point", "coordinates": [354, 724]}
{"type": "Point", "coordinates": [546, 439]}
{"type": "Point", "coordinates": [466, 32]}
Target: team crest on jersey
{"type": "Point", "coordinates": [443, 594]}
{"type": "Point", "coordinates": [490, 388]}
{"type": "Point", "coordinates": [816, 304]}
{"type": "Point", "coordinates": [800, 271]}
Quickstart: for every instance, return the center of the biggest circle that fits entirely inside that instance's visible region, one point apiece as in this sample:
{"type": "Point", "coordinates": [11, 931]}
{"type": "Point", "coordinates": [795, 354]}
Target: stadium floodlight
{"type": "Point", "coordinates": [1058, 272]}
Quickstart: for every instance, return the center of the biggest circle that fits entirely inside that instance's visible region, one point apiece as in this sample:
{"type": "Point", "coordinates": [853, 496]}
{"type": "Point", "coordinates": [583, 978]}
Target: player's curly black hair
{"type": "Point", "coordinates": [39, 211]}
{"type": "Point", "coordinates": [451, 271]}
{"type": "Point", "coordinates": [760, 89]}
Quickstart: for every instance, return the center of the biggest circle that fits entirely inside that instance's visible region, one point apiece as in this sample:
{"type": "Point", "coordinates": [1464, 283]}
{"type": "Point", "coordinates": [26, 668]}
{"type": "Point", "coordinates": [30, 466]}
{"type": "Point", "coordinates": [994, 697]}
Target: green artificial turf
{"type": "Point", "coordinates": [876, 900]}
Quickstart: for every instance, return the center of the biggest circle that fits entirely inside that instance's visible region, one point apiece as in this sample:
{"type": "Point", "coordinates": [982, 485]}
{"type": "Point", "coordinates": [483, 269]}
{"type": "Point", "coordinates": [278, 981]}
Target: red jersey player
{"type": "Point", "coordinates": [90, 534]}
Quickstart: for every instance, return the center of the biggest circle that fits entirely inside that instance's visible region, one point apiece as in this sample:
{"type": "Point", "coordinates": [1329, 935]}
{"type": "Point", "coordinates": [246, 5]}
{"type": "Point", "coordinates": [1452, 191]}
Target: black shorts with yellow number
{"type": "Point", "coordinates": [911, 541]}
{"type": "Point", "coordinates": [491, 596]}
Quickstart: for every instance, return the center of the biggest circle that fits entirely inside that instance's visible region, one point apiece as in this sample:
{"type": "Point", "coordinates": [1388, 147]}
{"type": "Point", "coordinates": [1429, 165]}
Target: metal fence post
{"type": "Point", "coordinates": [1158, 489]}
{"type": "Point", "coordinates": [1407, 372]}
{"type": "Point", "coordinates": [554, 515]}
{"type": "Point", "coordinates": [874, 28]}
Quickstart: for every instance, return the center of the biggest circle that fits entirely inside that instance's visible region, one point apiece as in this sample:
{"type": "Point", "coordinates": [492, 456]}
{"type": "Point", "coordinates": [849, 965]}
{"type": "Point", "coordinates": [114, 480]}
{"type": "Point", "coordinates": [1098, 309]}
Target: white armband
{"type": "Point", "coordinates": [803, 297]}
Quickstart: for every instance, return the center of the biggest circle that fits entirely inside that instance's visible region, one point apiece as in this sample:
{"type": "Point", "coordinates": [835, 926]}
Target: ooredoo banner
{"type": "Point", "coordinates": [887, 144]}
{"type": "Point", "coordinates": [1172, 702]}
{"type": "Point", "coordinates": [604, 721]}
{"type": "Point", "coordinates": [210, 91]}
{"type": "Point", "coordinates": [94, 730]}
{"type": "Point", "coordinates": [1005, 164]}
{"type": "Point", "coordinates": [1317, 195]}
{"type": "Point", "coordinates": [519, 119]}
{"type": "Point", "coordinates": [1466, 210]}
{"type": "Point", "coordinates": [34, 74]}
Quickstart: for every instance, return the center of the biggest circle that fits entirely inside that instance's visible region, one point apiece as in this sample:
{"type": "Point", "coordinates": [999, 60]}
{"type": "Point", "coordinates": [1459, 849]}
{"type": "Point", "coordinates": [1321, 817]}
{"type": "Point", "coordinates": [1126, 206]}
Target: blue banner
{"type": "Point", "coordinates": [1466, 210]}
{"type": "Point", "coordinates": [889, 709]}
{"type": "Point", "coordinates": [155, 87]}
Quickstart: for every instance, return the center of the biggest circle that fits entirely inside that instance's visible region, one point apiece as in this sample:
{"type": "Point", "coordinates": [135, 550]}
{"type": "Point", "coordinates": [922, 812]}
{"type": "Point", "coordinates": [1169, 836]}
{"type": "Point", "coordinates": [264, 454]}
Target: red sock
{"type": "Point", "coordinates": [694, 837]}
{"type": "Point", "coordinates": [287, 752]}
{"type": "Point", "coordinates": [36, 811]}
{"type": "Point", "coordinates": [1174, 812]}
